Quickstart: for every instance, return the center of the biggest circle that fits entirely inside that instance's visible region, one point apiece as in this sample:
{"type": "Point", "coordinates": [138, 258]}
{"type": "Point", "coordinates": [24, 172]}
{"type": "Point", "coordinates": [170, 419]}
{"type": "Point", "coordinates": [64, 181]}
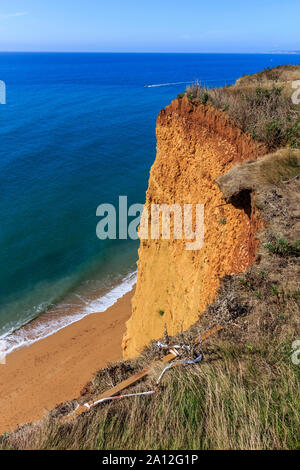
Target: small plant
{"type": "Point", "coordinates": [204, 98]}
{"type": "Point", "coordinates": [272, 134]}
{"type": "Point", "coordinates": [180, 96]}
{"type": "Point", "coordinates": [282, 247]}
{"type": "Point", "coordinates": [258, 294]}
{"type": "Point", "coordinates": [263, 273]}
{"type": "Point", "coordinates": [244, 282]}
{"type": "Point", "coordinates": [275, 290]}
{"type": "Point", "coordinates": [161, 312]}
{"type": "Point", "coordinates": [295, 294]}
{"type": "Point", "coordinates": [293, 134]}
{"type": "Point", "coordinates": [223, 221]}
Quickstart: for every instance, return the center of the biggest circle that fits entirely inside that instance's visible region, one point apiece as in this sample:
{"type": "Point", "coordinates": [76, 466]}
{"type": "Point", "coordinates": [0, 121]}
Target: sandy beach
{"type": "Point", "coordinates": [51, 371]}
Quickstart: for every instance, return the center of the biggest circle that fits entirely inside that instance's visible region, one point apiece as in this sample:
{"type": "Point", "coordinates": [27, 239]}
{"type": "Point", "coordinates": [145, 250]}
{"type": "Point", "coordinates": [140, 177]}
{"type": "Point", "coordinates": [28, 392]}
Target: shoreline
{"type": "Point", "coordinates": [54, 369]}
{"type": "Point", "coordinates": [65, 314]}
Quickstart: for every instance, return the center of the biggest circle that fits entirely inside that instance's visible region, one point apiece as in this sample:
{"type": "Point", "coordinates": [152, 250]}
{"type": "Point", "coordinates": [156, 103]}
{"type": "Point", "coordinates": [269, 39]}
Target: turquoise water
{"type": "Point", "coordinates": [78, 130]}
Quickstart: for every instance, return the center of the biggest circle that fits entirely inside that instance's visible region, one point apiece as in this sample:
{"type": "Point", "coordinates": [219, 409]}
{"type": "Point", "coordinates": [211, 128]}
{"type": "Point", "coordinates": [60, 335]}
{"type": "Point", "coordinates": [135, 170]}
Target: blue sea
{"type": "Point", "coordinates": [78, 130]}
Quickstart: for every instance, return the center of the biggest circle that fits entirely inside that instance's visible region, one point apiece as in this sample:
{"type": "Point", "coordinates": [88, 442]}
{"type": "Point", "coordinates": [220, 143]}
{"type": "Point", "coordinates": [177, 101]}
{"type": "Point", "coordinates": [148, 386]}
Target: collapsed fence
{"type": "Point", "coordinates": [172, 358]}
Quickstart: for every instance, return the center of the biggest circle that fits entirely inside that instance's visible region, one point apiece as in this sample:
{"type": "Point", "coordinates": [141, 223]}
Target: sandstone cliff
{"type": "Point", "coordinates": [195, 146]}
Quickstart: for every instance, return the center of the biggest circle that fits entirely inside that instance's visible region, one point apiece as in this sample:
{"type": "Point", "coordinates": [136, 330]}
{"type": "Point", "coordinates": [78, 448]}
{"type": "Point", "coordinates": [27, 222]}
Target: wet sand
{"type": "Point", "coordinates": [37, 378]}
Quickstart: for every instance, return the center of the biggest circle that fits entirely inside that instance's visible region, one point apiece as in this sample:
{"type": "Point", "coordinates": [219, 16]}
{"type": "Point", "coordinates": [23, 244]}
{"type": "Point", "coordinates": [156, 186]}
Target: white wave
{"type": "Point", "coordinates": [43, 329]}
{"type": "Point", "coordinates": [166, 84]}
{"type": "Point", "coordinates": [223, 81]}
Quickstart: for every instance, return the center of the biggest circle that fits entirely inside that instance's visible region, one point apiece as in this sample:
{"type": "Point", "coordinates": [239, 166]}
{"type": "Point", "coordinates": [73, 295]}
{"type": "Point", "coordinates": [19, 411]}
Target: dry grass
{"type": "Point", "coordinates": [284, 165]}
{"type": "Point", "coordinates": [259, 105]}
{"type": "Point", "coordinates": [271, 76]}
{"type": "Point", "coordinates": [272, 169]}
{"type": "Point", "coordinates": [243, 397]}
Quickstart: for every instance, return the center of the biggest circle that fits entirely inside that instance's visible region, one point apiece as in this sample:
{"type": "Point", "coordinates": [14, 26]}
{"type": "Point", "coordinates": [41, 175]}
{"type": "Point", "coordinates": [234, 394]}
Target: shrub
{"type": "Point", "coordinates": [275, 290]}
{"type": "Point", "coordinates": [282, 247]}
{"type": "Point", "coordinates": [204, 98]}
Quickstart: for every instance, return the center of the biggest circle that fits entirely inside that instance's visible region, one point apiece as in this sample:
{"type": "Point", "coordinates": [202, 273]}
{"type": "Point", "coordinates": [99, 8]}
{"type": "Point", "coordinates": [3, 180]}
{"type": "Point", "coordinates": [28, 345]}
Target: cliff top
{"type": "Point", "coordinates": [283, 74]}
{"type": "Point", "coordinates": [265, 105]}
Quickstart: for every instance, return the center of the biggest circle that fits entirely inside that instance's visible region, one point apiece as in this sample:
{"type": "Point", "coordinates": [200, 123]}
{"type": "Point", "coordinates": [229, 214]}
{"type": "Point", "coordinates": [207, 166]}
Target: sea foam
{"type": "Point", "coordinates": [28, 335]}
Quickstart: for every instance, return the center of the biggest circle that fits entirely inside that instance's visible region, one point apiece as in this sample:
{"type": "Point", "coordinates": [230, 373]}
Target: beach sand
{"type": "Point", "coordinates": [37, 378]}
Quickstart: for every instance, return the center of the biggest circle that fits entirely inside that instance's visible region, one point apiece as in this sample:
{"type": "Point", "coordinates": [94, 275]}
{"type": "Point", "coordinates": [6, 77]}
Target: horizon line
{"type": "Point", "coordinates": [146, 52]}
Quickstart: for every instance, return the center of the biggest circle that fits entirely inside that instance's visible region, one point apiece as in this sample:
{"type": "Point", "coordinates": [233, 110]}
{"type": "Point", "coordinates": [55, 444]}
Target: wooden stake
{"type": "Point", "coordinates": [134, 378]}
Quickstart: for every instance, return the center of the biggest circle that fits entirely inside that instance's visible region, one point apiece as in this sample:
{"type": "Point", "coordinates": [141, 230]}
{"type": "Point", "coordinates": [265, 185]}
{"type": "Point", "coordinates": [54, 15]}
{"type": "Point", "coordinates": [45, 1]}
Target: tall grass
{"type": "Point", "coordinates": [243, 399]}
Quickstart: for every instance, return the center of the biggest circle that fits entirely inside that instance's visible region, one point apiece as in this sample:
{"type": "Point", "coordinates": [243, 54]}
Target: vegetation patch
{"type": "Point", "coordinates": [261, 105]}
{"type": "Point", "coordinates": [282, 247]}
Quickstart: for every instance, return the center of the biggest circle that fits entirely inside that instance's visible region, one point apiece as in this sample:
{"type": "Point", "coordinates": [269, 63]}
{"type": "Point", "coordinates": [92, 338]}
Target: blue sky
{"type": "Point", "coordinates": [150, 25]}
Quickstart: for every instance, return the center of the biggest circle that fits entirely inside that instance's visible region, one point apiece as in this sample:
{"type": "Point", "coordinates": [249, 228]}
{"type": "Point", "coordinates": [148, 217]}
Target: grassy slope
{"type": "Point", "coordinates": [245, 394]}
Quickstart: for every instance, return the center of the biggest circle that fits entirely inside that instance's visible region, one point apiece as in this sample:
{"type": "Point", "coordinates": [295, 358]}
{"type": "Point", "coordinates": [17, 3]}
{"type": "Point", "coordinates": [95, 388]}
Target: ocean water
{"type": "Point", "coordinates": [78, 130]}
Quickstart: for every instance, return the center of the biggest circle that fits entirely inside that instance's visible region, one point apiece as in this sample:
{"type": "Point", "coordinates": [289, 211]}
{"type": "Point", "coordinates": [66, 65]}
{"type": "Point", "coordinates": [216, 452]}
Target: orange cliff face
{"type": "Point", "coordinates": [195, 145]}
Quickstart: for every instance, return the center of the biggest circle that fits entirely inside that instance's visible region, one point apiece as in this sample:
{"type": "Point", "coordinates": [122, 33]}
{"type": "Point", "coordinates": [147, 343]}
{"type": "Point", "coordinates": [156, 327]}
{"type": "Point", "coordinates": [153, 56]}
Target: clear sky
{"type": "Point", "coordinates": [150, 25]}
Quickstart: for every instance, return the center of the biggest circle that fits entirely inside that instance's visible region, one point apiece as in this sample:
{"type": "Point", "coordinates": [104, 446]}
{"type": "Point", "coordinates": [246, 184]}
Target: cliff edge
{"type": "Point", "coordinates": [196, 144]}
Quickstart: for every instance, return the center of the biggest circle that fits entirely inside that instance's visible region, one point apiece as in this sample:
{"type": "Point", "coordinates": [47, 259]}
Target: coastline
{"type": "Point", "coordinates": [54, 369]}
{"type": "Point", "coordinates": [74, 308]}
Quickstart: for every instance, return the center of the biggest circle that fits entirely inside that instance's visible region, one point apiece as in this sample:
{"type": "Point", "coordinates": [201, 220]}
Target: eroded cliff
{"type": "Point", "coordinates": [195, 146]}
